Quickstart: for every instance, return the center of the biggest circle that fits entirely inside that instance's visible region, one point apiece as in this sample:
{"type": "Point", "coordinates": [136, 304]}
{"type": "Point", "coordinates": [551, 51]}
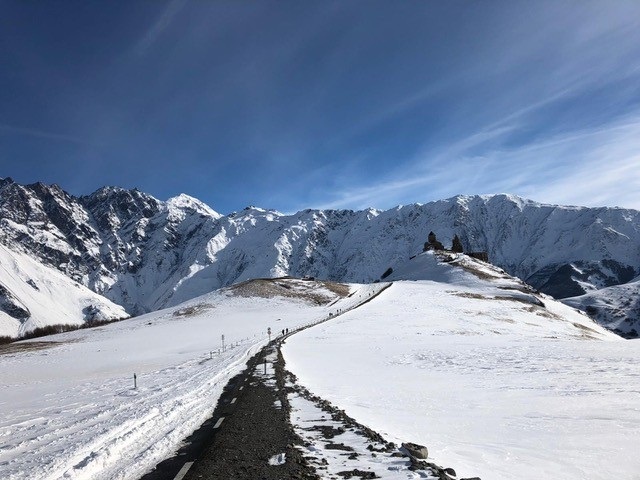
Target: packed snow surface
{"type": "Point", "coordinates": [68, 407]}
{"type": "Point", "coordinates": [495, 385]}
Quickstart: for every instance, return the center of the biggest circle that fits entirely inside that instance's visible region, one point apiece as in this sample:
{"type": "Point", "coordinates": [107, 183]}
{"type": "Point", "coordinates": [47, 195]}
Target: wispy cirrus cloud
{"type": "Point", "coordinates": [149, 38]}
{"type": "Point", "coordinates": [592, 167]}
{"type": "Point", "coordinates": [563, 128]}
{"type": "Point", "coordinates": [350, 104]}
{"type": "Point", "coordinates": [32, 132]}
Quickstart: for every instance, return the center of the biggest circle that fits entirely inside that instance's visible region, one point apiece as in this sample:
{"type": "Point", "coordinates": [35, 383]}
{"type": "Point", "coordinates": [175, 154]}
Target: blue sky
{"type": "Point", "coordinates": [348, 104]}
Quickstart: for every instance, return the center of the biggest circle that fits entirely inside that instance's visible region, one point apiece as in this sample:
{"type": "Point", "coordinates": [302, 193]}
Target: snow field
{"type": "Point", "coordinates": [493, 387]}
{"type": "Point", "coordinates": [69, 410]}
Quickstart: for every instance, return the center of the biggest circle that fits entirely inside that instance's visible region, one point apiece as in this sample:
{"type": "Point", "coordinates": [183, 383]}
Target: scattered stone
{"type": "Point", "coordinates": [327, 430]}
{"type": "Point", "coordinates": [384, 449]}
{"type": "Point", "coordinates": [357, 473]}
{"type": "Point", "coordinates": [376, 445]}
{"type": "Point", "coordinates": [338, 446]}
{"type": "Point", "coordinates": [415, 450]}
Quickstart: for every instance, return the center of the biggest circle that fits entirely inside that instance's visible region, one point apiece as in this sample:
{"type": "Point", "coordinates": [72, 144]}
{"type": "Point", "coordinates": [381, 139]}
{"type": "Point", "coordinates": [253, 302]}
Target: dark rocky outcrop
{"type": "Point", "coordinates": [484, 256]}
{"type": "Point", "coordinates": [12, 306]}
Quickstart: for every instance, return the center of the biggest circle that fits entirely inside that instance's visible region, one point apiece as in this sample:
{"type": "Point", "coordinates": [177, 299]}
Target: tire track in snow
{"type": "Point", "coordinates": [54, 454]}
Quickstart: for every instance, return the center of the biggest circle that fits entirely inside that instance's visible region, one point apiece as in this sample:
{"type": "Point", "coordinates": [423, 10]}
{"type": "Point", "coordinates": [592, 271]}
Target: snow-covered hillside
{"type": "Point", "coordinates": [33, 295]}
{"type": "Point", "coordinates": [496, 380]}
{"type": "Point", "coordinates": [617, 307]}
{"type": "Point", "coordinates": [68, 408]}
{"type": "Point", "coordinates": [145, 254]}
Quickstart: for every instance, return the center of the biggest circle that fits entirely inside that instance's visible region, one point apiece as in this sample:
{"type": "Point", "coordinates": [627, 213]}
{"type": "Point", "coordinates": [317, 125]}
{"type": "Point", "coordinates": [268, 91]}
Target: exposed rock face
{"type": "Point", "coordinates": [145, 254]}
{"type": "Point", "coordinates": [37, 298]}
{"type": "Point", "coordinates": [12, 306]}
{"type": "Point", "coordinates": [479, 255]}
{"type": "Point", "coordinates": [616, 307]}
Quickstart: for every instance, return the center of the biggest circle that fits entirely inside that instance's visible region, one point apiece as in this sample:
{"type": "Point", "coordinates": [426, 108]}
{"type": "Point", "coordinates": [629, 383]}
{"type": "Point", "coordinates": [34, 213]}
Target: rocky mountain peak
{"type": "Point", "coordinates": [5, 181]}
{"type": "Point", "coordinates": [146, 254]}
{"type": "Point", "coordinates": [189, 203]}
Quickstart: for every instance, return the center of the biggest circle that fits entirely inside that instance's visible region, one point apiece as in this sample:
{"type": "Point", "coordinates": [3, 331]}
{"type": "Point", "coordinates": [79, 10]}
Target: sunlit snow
{"type": "Point", "coordinates": [497, 380]}
{"type": "Point", "coordinates": [494, 387]}
{"type": "Point", "coordinates": [68, 407]}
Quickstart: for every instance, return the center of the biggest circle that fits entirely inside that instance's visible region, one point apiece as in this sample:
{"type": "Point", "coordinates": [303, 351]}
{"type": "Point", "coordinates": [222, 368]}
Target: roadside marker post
{"type": "Point", "coordinates": [223, 342]}
{"type": "Point", "coordinates": [269, 332]}
{"type": "Point", "coordinates": [135, 382]}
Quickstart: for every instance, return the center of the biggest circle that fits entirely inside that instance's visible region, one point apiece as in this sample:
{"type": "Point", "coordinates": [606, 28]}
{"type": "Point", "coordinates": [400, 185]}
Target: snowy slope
{"type": "Point", "coordinates": [33, 295]}
{"type": "Point", "coordinates": [505, 298]}
{"type": "Point", "coordinates": [617, 307]}
{"type": "Point", "coordinates": [145, 254]}
{"type": "Point", "coordinates": [67, 404]}
{"type": "Point", "coordinates": [466, 361]}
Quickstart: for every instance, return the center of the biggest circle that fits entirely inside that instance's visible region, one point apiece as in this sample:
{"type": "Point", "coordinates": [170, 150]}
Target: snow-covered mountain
{"type": "Point", "coordinates": [145, 254]}
{"type": "Point", "coordinates": [34, 296]}
{"type": "Point", "coordinates": [123, 244]}
{"type": "Point", "coordinates": [617, 307]}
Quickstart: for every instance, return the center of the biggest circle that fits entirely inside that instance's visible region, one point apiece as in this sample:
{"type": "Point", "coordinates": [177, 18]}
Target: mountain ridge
{"type": "Point", "coordinates": [145, 254]}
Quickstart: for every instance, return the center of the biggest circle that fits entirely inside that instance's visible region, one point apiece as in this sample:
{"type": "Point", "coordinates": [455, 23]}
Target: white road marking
{"type": "Point", "coordinates": [183, 471]}
{"type": "Point", "coordinates": [234, 400]}
{"type": "Point", "coordinates": [219, 422]}
{"type": "Point", "coordinates": [241, 387]}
